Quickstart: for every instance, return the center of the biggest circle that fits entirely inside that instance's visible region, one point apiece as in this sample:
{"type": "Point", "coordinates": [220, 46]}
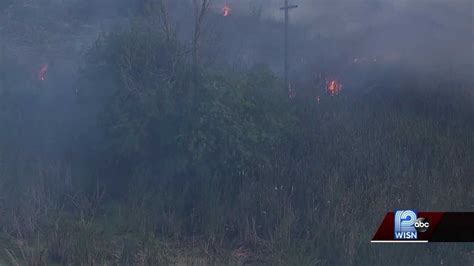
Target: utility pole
{"type": "Point", "coordinates": [287, 8]}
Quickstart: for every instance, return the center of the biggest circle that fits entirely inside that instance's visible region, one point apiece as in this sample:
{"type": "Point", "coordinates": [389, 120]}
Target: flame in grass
{"type": "Point", "coordinates": [334, 87]}
{"type": "Point", "coordinates": [43, 72]}
{"type": "Point", "coordinates": [226, 10]}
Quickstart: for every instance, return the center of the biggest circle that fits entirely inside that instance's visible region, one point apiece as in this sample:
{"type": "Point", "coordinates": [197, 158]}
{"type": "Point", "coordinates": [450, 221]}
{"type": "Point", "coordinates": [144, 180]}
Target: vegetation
{"type": "Point", "coordinates": [170, 162]}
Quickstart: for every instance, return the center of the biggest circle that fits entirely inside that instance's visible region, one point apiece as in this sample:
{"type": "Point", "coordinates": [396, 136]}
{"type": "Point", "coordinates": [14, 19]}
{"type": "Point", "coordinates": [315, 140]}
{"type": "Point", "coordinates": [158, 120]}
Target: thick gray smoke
{"type": "Point", "coordinates": [433, 35]}
{"type": "Point", "coordinates": [422, 35]}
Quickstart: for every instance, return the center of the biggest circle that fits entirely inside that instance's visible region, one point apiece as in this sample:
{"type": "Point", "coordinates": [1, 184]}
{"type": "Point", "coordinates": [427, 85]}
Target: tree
{"type": "Point", "coordinates": [201, 8]}
{"type": "Point", "coordinates": [158, 11]}
{"type": "Point", "coordinates": [154, 111]}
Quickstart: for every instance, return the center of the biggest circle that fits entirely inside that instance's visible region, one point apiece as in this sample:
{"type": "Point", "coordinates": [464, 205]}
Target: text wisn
{"type": "Point", "coordinates": [408, 225]}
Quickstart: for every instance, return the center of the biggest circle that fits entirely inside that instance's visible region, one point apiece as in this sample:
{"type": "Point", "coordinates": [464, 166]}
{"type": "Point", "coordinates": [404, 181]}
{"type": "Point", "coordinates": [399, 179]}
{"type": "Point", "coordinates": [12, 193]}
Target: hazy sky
{"type": "Point", "coordinates": [430, 32]}
{"type": "Point", "coordinates": [424, 29]}
{"type": "Point", "coordinates": [341, 17]}
{"type": "Point", "coordinates": [354, 11]}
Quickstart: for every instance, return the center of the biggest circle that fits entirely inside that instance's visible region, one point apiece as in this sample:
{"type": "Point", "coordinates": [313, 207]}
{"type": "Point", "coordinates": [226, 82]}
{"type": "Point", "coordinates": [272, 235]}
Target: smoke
{"type": "Point", "coordinates": [422, 35]}
{"type": "Point", "coordinates": [429, 36]}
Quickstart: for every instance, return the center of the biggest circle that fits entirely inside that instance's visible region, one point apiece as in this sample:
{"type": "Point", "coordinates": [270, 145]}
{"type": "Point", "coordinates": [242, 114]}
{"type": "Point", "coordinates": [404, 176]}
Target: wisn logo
{"type": "Point", "coordinates": [405, 225]}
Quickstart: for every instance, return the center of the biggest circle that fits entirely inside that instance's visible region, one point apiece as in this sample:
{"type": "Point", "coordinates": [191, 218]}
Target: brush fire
{"type": "Point", "coordinates": [226, 10]}
{"type": "Point", "coordinates": [334, 87]}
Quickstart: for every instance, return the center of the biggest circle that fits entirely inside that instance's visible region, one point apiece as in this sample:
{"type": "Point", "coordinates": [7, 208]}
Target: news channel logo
{"type": "Point", "coordinates": [408, 225]}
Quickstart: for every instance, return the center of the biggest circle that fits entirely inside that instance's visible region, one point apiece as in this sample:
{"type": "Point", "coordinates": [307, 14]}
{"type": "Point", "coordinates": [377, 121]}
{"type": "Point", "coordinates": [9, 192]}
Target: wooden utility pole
{"type": "Point", "coordinates": [287, 8]}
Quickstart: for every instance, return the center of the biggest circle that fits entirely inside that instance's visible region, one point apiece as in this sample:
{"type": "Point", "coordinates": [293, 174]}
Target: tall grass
{"type": "Point", "coordinates": [318, 201]}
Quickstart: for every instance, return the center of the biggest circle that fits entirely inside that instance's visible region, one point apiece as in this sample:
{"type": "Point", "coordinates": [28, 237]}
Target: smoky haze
{"type": "Point", "coordinates": [426, 35]}
{"type": "Point", "coordinates": [133, 133]}
{"type": "Point", "coordinates": [327, 39]}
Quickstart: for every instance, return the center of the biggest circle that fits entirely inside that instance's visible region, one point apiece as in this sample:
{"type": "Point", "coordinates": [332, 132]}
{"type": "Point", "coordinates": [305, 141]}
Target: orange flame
{"type": "Point", "coordinates": [226, 10]}
{"type": "Point", "coordinates": [334, 87]}
{"type": "Point", "coordinates": [43, 71]}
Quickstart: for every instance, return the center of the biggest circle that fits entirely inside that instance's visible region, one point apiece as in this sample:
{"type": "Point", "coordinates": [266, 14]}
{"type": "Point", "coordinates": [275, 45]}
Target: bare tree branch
{"type": "Point", "coordinates": [200, 12]}
{"type": "Point", "coordinates": [165, 18]}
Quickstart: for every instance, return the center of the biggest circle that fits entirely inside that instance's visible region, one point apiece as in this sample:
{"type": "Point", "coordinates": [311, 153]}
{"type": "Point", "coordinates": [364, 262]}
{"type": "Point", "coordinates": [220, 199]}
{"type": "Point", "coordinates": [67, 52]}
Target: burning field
{"type": "Point", "coordinates": [226, 10]}
{"type": "Point", "coordinates": [190, 134]}
{"type": "Point", "coordinates": [334, 87]}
